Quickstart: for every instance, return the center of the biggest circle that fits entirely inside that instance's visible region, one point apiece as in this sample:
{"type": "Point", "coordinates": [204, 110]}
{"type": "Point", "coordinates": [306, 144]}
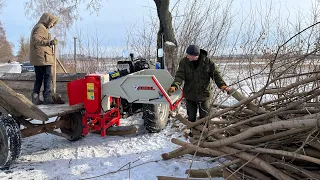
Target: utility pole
{"type": "Point", "coordinates": [75, 53]}
{"type": "Point", "coordinates": [163, 57]}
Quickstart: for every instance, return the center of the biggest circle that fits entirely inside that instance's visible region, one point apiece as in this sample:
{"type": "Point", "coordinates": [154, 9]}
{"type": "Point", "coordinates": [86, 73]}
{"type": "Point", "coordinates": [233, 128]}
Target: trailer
{"type": "Point", "coordinates": [94, 105]}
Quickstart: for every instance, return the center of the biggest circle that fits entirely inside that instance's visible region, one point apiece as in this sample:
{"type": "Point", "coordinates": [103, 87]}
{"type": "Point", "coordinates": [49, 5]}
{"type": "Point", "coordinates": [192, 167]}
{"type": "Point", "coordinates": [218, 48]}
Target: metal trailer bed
{"type": "Point", "coordinates": [17, 121]}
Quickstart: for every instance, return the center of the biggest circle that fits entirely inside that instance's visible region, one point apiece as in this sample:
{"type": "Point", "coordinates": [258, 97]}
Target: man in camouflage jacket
{"type": "Point", "coordinates": [195, 70]}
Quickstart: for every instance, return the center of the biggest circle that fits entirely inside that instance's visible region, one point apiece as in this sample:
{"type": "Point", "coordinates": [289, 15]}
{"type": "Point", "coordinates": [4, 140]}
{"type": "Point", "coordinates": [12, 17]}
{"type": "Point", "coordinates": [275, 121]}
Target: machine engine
{"type": "Point", "coordinates": [125, 68]}
{"type": "Point", "coordinates": [133, 65]}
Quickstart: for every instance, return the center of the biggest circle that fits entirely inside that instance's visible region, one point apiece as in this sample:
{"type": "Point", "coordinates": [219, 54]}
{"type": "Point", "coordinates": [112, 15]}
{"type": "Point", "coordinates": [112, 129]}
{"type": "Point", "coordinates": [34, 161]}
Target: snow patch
{"type": "Point", "coordinates": [10, 68]}
{"type": "Point", "coordinates": [169, 43]}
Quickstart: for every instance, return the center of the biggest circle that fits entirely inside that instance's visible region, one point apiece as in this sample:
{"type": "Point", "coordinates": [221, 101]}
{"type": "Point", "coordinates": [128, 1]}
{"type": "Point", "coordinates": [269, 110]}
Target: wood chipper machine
{"type": "Point", "coordinates": [96, 103]}
{"type": "Point", "coordinates": [103, 99]}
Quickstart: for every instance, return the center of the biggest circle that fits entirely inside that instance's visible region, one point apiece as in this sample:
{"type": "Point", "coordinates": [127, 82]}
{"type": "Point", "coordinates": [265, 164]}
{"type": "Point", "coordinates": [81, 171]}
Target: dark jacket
{"type": "Point", "coordinates": [40, 50]}
{"type": "Point", "coordinates": [197, 85]}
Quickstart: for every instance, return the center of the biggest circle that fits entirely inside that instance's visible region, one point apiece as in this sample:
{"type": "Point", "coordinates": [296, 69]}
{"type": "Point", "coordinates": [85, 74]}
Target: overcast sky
{"type": "Point", "coordinates": [115, 16]}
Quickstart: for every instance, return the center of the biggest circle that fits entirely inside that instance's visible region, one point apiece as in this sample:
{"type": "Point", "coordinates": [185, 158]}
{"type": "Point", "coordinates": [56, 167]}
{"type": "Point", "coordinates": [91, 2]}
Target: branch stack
{"type": "Point", "coordinates": [275, 139]}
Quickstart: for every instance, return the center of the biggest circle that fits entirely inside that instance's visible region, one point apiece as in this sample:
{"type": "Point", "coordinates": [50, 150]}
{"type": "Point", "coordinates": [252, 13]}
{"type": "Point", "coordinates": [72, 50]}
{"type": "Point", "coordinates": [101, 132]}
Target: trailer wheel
{"type": "Point", "coordinates": [75, 127]}
{"type": "Point", "coordinates": [10, 140]}
{"type": "Point", "coordinates": [155, 117]}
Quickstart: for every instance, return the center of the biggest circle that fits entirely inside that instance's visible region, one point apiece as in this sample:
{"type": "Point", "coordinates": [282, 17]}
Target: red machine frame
{"type": "Point", "coordinates": [171, 104]}
{"type": "Point", "coordinates": [101, 121]}
{"type": "Point", "coordinates": [88, 92]}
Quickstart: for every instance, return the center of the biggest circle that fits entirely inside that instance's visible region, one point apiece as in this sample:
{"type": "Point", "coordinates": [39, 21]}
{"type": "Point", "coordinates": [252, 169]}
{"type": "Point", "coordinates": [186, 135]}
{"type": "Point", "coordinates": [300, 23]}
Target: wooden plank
{"type": "Point", "coordinates": [119, 130]}
{"type": "Point", "coordinates": [23, 82]}
{"type": "Point", "coordinates": [54, 110]}
{"type": "Point", "coordinates": [17, 104]}
{"type": "Point", "coordinates": [62, 77]}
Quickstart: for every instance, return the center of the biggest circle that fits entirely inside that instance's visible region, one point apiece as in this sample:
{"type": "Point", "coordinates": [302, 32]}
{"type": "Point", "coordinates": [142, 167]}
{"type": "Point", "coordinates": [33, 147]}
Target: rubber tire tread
{"type": "Point", "coordinates": [77, 133]}
{"type": "Point", "coordinates": [10, 132]}
{"type": "Point", "coordinates": [151, 116]}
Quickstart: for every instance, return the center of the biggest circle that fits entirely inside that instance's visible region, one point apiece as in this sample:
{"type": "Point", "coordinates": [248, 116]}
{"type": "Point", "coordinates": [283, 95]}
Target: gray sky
{"type": "Point", "coordinates": [118, 15]}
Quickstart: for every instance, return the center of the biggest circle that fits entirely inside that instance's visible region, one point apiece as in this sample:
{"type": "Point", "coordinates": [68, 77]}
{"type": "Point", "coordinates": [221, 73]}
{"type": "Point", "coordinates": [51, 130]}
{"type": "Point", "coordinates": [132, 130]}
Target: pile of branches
{"type": "Point", "coordinates": [261, 138]}
{"type": "Point", "coordinates": [278, 139]}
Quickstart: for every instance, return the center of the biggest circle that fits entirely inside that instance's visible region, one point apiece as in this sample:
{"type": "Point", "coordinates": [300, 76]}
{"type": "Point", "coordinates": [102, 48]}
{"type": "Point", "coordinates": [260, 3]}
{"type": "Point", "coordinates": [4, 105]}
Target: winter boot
{"type": "Point", "coordinates": [35, 98]}
{"type": "Point", "coordinates": [47, 99]}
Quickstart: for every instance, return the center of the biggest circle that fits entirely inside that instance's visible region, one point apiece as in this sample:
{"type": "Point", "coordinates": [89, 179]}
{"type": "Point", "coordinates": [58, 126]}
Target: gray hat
{"type": "Point", "coordinates": [193, 50]}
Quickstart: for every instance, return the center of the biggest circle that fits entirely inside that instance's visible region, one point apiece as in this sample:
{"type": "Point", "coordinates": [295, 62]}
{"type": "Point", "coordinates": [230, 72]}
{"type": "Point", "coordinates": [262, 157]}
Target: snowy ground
{"type": "Point", "coordinates": [47, 156]}
{"type": "Point", "coordinates": [13, 67]}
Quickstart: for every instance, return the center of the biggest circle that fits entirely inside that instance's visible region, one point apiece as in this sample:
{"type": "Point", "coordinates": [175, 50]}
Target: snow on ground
{"type": "Point", "coordinates": [46, 156]}
{"type": "Point", "coordinates": [13, 67]}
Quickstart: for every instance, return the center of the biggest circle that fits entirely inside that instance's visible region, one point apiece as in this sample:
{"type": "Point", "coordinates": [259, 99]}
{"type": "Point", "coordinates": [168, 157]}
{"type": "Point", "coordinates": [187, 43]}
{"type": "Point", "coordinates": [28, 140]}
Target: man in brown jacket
{"type": "Point", "coordinates": [41, 56]}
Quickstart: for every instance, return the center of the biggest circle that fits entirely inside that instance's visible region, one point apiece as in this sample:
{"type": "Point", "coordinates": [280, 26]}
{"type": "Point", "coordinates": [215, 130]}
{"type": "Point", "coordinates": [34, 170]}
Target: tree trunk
{"type": "Point", "coordinates": [170, 50]}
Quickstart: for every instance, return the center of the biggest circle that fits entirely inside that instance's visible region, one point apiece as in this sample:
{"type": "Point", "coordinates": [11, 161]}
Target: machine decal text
{"type": "Point", "coordinates": [139, 88]}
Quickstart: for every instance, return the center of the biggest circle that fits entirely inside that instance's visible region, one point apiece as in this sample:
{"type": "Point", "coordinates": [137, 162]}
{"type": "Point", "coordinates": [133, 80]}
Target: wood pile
{"type": "Point", "coordinates": [279, 139]}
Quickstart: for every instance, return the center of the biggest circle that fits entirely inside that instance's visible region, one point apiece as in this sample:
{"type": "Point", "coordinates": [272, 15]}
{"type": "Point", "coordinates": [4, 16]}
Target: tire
{"type": "Point", "coordinates": [155, 117]}
{"type": "Point", "coordinates": [10, 140]}
{"type": "Point", "coordinates": [75, 129]}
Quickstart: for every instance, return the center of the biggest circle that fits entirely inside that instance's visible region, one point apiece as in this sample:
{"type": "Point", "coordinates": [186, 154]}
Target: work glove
{"type": "Point", "coordinates": [54, 42]}
{"type": "Point", "coordinates": [171, 90]}
{"type": "Point", "coordinates": [226, 89]}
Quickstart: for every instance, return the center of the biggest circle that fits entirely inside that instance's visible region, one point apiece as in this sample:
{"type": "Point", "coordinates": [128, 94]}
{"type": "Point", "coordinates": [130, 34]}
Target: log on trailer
{"type": "Point", "coordinates": [23, 82]}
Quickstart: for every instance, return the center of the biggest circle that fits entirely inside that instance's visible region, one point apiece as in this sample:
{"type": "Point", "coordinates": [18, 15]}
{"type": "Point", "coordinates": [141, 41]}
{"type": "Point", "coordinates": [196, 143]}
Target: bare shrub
{"type": "Point", "coordinates": [5, 46]}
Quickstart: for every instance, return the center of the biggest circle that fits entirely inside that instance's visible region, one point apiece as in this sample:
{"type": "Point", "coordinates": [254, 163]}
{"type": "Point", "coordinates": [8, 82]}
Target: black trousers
{"type": "Point", "coordinates": [192, 109]}
{"type": "Point", "coordinates": [43, 74]}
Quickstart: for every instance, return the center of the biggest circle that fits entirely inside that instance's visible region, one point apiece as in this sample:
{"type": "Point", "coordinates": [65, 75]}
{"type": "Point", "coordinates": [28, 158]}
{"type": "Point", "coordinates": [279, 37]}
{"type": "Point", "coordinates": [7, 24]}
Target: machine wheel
{"type": "Point", "coordinates": [155, 117]}
{"type": "Point", "coordinates": [75, 128]}
{"type": "Point", "coordinates": [10, 140]}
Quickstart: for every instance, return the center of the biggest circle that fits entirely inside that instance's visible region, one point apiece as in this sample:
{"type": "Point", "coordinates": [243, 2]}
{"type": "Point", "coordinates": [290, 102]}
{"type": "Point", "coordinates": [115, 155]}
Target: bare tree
{"type": "Point", "coordinates": [23, 52]}
{"type": "Point", "coordinates": [5, 46]}
{"type": "Point", "coordinates": [206, 23]}
{"type": "Point", "coordinates": [166, 32]}
{"type": "Point", "coordinates": [2, 4]}
{"type": "Point", "coordinates": [142, 40]}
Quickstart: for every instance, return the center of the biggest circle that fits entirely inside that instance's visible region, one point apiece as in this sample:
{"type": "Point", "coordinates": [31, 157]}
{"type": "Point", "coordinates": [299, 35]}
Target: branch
{"type": "Point", "coordinates": [275, 136]}
{"type": "Point", "coordinates": [264, 128]}
{"type": "Point", "coordinates": [257, 161]}
{"type": "Point", "coordinates": [121, 169]}
{"type": "Point", "coordinates": [278, 152]}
